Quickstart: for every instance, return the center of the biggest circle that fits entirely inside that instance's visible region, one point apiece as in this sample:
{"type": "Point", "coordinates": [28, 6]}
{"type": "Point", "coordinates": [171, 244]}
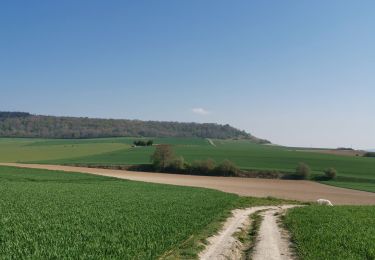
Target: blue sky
{"type": "Point", "coordinates": [295, 72]}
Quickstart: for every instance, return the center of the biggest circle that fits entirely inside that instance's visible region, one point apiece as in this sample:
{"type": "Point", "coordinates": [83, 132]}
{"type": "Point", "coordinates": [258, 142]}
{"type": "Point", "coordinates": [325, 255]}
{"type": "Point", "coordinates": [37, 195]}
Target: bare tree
{"type": "Point", "coordinates": [162, 156]}
{"type": "Point", "coordinates": [302, 171]}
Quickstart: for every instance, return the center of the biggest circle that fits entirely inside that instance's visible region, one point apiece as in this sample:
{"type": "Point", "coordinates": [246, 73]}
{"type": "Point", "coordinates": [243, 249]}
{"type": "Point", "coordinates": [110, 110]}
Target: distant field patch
{"type": "Point", "coordinates": [21, 150]}
{"type": "Point", "coordinates": [357, 185]}
{"type": "Point", "coordinates": [339, 232]}
{"type": "Point", "coordinates": [334, 152]}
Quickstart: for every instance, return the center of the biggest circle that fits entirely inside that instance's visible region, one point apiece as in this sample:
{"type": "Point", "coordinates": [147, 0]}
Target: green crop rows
{"type": "Point", "coordinates": [55, 215]}
{"type": "Point", "coordinates": [340, 232]}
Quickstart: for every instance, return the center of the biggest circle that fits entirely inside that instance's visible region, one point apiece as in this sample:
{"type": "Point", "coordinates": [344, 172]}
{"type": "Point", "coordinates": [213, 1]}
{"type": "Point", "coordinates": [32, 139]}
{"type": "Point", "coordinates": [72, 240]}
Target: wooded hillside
{"type": "Point", "coordinates": [19, 124]}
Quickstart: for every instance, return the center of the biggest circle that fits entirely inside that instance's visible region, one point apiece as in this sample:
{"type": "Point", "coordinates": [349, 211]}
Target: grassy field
{"type": "Point", "coordinates": [354, 172]}
{"type": "Point", "coordinates": [340, 232]}
{"type": "Point", "coordinates": [12, 150]}
{"type": "Point", "coordinates": [55, 215]}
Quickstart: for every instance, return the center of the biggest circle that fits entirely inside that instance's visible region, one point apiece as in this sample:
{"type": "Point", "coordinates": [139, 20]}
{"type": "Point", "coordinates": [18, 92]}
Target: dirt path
{"type": "Point", "coordinates": [271, 245]}
{"type": "Point", "coordinates": [286, 189]}
{"type": "Point", "coordinates": [211, 142]}
{"type": "Point", "coordinates": [224, 245]}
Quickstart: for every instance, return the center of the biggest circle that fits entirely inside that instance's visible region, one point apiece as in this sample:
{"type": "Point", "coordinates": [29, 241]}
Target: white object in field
{"type": "Point", "coordinates": [324, 202]}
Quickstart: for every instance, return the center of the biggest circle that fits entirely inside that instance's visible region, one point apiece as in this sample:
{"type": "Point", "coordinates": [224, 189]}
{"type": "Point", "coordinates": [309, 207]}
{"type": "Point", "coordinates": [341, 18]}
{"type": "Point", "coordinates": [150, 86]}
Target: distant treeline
{"type": "Point", "coordinates": [369, 154]}
{"type": "Point", "coordinates": [13, 114]}
{"type": "Point", "coordinates": [19, 124]}
{"type": "Point", "coordinates": [143, 143]}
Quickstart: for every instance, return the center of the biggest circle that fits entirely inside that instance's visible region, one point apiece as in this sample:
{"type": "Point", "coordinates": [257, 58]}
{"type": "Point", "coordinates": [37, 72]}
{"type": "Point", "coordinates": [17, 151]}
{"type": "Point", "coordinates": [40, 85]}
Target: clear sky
{"type": "Point", "coordinates": [295, 72]}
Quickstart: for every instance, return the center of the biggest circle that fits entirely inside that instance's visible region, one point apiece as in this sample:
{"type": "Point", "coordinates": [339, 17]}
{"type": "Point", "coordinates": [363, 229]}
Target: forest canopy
{"type": "Point", "coordinates": [20, 124]}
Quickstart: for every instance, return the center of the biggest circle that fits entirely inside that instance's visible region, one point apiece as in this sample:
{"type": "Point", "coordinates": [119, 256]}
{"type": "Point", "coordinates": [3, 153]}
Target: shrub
{"type": "Point", "coordinates": [264, 174]}
{"type": "Point", "coordinates": [204, 167]}
{"type": "Point", "coordinates": [330, 173]}
{"type": "Point", "coordinates": [143, 143]}
{"type": "Point", "coordinates": [302, 171]}
{"type": "Point", "coordinates": [177, 165]}
{"type": "Point", "coordinates": [369, 154]}
{"type": "Point", "coordinates": [162, 157]}
{"type": "Point", "coordinates": [139, 143]}
{"type": "Point", "coordinates": [208, 167]}
{"type": "Point", "coordinates": [227, 168]}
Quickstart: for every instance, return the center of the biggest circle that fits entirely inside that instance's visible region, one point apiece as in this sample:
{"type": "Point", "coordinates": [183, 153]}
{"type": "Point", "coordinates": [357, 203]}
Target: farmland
{"type": "Point", "coordinates": [354, 172]}
{"type": "Point", "coordinates": [51, 214]}
{"type": "Point", "coordinates": [14, 149]}
{"type": "Point", "coordinates": [54, 214]}
{"type": "Point", "coordinates": [342, 232]}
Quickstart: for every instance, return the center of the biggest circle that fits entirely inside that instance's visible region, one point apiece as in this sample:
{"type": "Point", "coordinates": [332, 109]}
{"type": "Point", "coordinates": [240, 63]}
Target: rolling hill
{"type": "Point", "coordinates": [21, 124]}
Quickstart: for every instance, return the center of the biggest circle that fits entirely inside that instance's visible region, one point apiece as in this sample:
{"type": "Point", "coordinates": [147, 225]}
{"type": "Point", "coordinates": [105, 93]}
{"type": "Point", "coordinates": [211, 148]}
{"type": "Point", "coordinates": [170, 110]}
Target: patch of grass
{"type": "Point", "coordinates": [356, 185]}
{"type": "Point", "coordinates": [53, 214]}
{"type": "Point", "coordinates": [29, 150]}
{"type": "Point", "coordinates": [245, 202]}
{"type": "Point", "coordinates": [340, 232]}
{"type": "Point", "coordinates": [248, 237]}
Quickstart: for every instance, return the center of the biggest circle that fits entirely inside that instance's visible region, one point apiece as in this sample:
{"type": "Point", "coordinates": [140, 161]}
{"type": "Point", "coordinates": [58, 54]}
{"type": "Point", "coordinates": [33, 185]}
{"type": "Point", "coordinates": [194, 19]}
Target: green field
{"type": "Point", "coordinates": [56, 215]}
{"type": "Point", "coordinates": [18, 149]}
{"type": "Point", "coordinates": [354, 172]}
{"type": "Point", "coordinates": [340, 232]}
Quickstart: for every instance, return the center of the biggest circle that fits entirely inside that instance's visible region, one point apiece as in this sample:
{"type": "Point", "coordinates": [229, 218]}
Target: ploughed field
{"type": "Point", "coordinates": [340, 232]}
{"type": "Point", "coordinates": [353, 172]}
{"type": "Point", "coordinates": [55, 215]}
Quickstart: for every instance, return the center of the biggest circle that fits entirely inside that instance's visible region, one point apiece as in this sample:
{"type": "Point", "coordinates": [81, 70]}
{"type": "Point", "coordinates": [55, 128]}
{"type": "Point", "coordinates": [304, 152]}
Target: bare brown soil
{"type": "Point", "coordinates": [285, 189]}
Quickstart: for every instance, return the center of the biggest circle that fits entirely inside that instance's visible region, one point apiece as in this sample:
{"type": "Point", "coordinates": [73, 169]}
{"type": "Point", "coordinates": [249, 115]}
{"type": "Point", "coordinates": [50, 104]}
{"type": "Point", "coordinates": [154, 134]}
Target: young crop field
{"type": "Point", "coordinates": [353, 172]}
{"type": "Point", "coordinates": [340, 232]}
{"type": "Point", "coordinates": [13, 150]}
{"type": "Point", "coordinates": [56, 215]}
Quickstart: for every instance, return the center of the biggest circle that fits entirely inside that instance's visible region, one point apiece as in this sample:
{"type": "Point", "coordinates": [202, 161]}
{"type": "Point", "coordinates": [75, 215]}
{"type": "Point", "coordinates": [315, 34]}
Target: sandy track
{"type": "Point", "coordinates": [286, 189]}
{"type": "Point", "coordinates": [211, 142]}
{"type": "Point", "coordinates": [223, 245]}
{"type": "Point", "coordinates": [272, 242]}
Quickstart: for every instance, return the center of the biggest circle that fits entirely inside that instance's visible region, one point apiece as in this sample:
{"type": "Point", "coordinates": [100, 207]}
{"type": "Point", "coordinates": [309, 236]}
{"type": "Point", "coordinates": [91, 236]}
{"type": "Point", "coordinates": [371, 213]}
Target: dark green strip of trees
{"type": "Point", "coordinates": [143, 143]}
{"type": "Point", "coordinates": [20, 124]}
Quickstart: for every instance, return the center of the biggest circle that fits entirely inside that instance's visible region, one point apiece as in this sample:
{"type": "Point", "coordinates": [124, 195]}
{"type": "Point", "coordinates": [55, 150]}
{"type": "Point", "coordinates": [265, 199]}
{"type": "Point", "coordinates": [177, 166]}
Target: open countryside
{"type": "Point", "coordinates": [187, 130]}
{"type": "Point", "coordinates": [355, 172]}
{"type": "Point", "coordinates": [122, 201]}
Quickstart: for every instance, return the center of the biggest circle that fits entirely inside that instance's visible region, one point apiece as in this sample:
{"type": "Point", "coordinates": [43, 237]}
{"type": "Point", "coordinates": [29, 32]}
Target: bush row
{"type": "Point", "coordinates": [226, 168]}
{"type": "Point", "coordinates": [203, 167]}
{"type": "Point", "coordinates": [143, 143]}
{"type": "Point", "coordinates": [369, 154]}
{"type": "Point", "coordinates": [303, 172]}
